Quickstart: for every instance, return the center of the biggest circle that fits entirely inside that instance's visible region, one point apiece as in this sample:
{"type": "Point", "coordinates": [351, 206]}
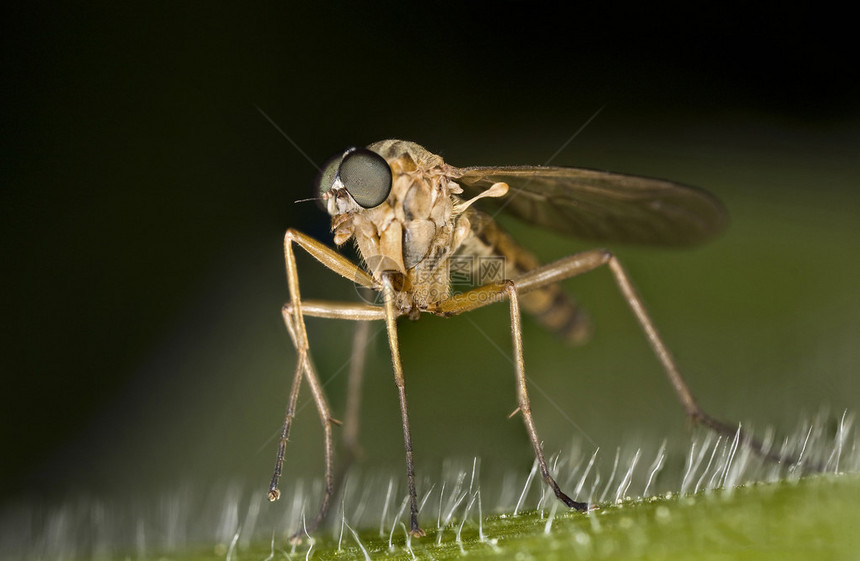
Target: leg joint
{"type": "Point", "coordinates": [290, 235]}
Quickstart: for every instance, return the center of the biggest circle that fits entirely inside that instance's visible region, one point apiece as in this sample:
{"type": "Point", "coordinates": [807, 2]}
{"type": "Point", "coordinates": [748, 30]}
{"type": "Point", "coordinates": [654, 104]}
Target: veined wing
{"type": "Point", "coordinates": [600, 205]}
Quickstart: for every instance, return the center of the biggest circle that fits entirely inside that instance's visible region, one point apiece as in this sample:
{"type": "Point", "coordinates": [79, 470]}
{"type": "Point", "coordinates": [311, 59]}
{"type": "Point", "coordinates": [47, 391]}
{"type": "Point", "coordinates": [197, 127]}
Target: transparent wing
{"type": "Point", "coordinates": [600, 205]}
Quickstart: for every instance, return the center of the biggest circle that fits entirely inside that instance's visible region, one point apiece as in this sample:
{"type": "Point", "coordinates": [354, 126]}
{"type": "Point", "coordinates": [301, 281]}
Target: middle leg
{"type": "Point", "coordinates": [525, 404]}
{"type": "Point", "coordinates": [391, 325]}
{"type": "Point", "coordinates": [496, 292]}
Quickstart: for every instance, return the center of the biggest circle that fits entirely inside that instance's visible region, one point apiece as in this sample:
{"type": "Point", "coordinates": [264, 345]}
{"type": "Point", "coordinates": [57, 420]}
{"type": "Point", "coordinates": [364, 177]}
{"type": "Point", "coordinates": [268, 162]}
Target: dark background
{"type": "Point", "coordinates": [144, 200]}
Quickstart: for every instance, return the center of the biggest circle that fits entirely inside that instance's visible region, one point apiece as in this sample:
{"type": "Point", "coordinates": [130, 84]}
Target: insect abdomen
{"type": "Point", "coordinates": [551, 306]}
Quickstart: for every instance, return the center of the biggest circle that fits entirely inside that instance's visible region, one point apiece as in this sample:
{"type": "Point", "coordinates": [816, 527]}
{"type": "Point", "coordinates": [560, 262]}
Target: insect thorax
{"type": "Point", "coordinates": [415, 231]}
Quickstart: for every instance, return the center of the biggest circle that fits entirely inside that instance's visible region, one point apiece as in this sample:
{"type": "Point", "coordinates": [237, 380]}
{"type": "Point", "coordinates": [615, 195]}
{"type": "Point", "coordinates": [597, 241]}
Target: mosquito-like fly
{"type": "Point", "coordinates": [411, 217]}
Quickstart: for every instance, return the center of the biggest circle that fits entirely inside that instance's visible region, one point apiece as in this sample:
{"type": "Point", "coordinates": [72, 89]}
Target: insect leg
{"type": "Point", "coordinates": [525, 404]}
{"type": "Point", "coordinates": [351, 418]}
{"type": "Point", "coordinates": [274, 492]}
{"type": "Point", "coordinates": [294, 321]}
{"type": "Point", "coordinates": [685, 396]}
{"type": "Point", "coordinates": [363, 314]}
{"type": "Point", "coordinates": [353, 394]}
{"type": "Point", "coordinates": [496, 292]}
{"type": "Point", "coordinates": [590, 260]}
{"type": "Point", "coordinates": [391, 325]}
{"type": "Point", "coordinates": [305, 366]}
{"type": "Point", "coordinates": [338, 310]}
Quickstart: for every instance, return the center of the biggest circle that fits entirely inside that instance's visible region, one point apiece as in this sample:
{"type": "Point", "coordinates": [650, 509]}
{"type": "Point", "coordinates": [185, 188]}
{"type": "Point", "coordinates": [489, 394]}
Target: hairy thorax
{"type": "Point", "coordinates": [417, 229]}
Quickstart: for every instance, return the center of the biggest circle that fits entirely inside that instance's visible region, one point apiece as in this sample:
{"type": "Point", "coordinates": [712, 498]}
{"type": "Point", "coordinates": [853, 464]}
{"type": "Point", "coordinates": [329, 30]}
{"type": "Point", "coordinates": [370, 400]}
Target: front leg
{"type": "Point", "coordinates": [295, 323]}
{"type": "Point", "coordinates": [304, 366]}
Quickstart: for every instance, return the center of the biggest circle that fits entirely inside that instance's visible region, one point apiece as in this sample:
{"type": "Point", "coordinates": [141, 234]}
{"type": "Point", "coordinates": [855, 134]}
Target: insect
{"type": "Point", "coordinates": [411, 216]}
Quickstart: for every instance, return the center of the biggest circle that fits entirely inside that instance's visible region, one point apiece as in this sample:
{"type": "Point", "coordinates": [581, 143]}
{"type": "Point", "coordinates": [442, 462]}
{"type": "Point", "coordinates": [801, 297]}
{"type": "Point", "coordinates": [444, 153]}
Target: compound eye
{"type": "Point", "coordinates": [325, 179]}
{"type": "Point", "coordinates": [366, 176]}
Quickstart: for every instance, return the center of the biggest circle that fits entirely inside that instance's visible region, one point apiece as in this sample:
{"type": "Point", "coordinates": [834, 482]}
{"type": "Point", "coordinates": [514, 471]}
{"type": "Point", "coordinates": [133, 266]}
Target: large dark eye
{"type": "Point", "coordinates": [366, 176]}
{"type": "Point", "coordinates": [326, 178]}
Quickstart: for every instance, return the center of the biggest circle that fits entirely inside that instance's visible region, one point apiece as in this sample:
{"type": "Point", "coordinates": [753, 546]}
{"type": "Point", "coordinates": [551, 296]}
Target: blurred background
{"type": "Point", "coordinates": [144, 201]}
